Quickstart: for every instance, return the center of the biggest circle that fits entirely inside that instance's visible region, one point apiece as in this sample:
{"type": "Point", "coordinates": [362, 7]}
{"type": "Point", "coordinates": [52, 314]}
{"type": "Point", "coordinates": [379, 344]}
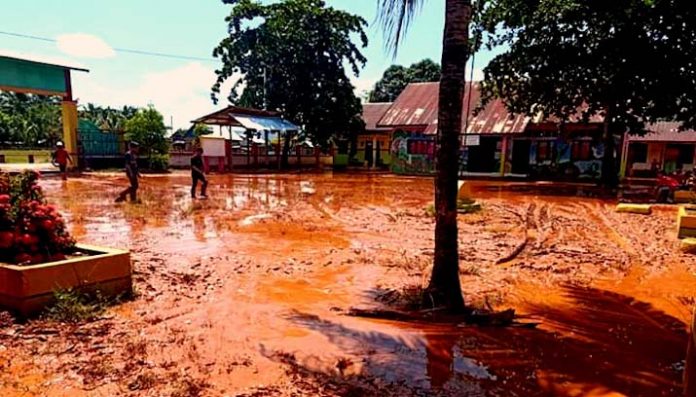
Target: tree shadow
{"type": "Point", "coordinates": [603, 342]}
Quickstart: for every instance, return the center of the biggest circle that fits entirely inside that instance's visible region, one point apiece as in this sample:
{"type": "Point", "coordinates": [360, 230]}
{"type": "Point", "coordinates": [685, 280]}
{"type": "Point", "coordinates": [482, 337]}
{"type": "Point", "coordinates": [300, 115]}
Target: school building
{"type": "Point", "coordinates": [495, 143]}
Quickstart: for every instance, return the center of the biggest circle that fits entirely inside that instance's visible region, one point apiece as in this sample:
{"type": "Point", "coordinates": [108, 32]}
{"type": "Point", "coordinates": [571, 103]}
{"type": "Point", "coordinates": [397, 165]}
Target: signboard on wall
{"type": "Point", "coordinates": [213, 146]}
{"type": "Point", "coordinates": [472, 140]}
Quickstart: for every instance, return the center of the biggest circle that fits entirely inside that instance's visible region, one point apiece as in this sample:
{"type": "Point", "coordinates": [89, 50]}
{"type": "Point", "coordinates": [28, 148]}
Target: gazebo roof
{"type": "Point", "coordinates": [251, 119]}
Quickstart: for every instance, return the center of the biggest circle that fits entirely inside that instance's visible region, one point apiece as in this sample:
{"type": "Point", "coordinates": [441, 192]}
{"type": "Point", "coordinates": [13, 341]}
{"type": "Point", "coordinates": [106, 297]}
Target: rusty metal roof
{"type": "Point", "coordinates": [417, 107]}
{"type": "Point", "coordinates": [225, 116]}
{"type": "Point", "coordinates": [665, 131]}
{"type": "Point", "coordinates": [373, 112]}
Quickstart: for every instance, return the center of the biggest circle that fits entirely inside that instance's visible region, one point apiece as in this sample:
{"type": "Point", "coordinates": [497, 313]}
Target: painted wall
{"type": "Point", "coordinates": [412, 154]}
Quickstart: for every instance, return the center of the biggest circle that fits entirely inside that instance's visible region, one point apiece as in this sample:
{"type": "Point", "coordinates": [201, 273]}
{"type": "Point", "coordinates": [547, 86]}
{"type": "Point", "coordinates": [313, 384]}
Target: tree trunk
{"type": "Point", "coordinates": [609, 173]}
{"type": "Point", "coordinates": [444, 289]}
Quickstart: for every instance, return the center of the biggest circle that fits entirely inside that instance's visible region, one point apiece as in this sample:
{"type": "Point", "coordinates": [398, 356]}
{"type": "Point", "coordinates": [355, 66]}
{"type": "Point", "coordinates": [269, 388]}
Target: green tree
{"type": "Point", "coordinates": [107, 118]}
{"type": "Point", "coordinates": [31, 120]}
{"type": "Point", "coordinates": [292, 57]}
{"type": "Point", "coordinates": [397, 77]}
{"type": "Point", "coordinates": [147, 128]}
{"type": "Point", "coordinates": [201, 129]}
{"type": "Point", "coordinates": [444, 288]}
{"type": "Point", "coordinates": [630, 61]}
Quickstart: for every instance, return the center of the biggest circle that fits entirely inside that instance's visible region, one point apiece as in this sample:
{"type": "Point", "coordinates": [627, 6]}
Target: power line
{"type": "Point", "coordinates": [126, 50]}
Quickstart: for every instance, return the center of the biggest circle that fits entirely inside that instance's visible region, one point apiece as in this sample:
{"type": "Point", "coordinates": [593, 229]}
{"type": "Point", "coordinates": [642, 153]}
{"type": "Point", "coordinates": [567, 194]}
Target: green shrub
{"type": "Point", "coordinates": [159, 162]}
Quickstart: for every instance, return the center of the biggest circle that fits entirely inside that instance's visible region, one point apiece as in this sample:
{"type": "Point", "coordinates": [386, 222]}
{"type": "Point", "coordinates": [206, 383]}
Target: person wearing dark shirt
{"type": "Point", "coordinates": [132, 173]}
{"type": "Point", "coordinates": [197, 173]}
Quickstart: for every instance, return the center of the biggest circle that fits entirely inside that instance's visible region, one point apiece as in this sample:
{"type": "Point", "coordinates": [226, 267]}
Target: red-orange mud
{"type": "Point", "coordinates": [242, 294]}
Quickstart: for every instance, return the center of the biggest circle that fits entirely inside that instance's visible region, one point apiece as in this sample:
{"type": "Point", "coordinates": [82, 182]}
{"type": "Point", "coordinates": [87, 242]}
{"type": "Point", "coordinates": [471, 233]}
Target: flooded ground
{"type": "Point", "coordinates": [243, 294]}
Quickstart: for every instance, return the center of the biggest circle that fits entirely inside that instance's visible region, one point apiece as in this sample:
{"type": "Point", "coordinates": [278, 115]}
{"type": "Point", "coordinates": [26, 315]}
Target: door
{"type": "Point", "coordinates": [369, 158]}
{"type": "Point", "coordinates": [520, 156]}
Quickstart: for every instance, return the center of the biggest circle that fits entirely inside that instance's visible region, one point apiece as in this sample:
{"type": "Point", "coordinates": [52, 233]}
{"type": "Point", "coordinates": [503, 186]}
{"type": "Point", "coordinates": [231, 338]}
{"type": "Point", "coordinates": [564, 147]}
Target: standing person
{"type": "Point", "coordinates": [61, 157]}
{"type": "Point", "coordinates": [132, 173]}
{"type": "Point", "coordinates": [197, 173]}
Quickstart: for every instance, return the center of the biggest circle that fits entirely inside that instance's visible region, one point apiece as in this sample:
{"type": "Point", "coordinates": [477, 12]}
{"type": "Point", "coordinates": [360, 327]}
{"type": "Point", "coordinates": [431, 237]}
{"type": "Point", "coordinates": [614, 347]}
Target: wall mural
{"type": "Point", "coordinates": [412, 154]}
{"type": "Point", "coordinates": [566, 159]}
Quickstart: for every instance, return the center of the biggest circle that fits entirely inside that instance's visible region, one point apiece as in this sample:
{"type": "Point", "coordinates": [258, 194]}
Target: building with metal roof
{"type": "Point", "coordinates": [663, 148]}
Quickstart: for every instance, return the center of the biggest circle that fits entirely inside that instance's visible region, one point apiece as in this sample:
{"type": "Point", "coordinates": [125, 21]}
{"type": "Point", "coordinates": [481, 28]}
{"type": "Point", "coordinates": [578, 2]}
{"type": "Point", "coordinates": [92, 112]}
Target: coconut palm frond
{"type": "Point", "coordinates": [395, 17]}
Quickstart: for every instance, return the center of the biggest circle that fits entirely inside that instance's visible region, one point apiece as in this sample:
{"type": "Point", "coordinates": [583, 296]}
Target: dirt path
{"type": "Point", "coordinates": [242, 294]}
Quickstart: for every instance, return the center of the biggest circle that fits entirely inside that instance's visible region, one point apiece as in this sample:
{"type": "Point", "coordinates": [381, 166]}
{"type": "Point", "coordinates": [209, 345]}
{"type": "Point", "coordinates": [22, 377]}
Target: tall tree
{"type": "Point", "coordinates": [629, 61]}
{"type": "Point", "coordinates": [397, 77]}
{"type": "Point", "coordinates": [444, 289]}
{"type": "Point", "coordinates": [291, 57]}
{"type": "Point", "coordinates": [147, 128]}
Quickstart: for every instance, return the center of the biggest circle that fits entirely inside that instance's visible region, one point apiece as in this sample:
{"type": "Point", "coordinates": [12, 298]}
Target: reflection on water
{"type": "Point", "coordinates": [87, 203]}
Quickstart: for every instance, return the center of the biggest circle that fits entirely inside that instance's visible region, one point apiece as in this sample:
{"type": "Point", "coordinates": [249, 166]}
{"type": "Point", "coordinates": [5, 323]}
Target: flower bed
{"type": "Point", "coordinates": [38, 257]}
{"type": "Point", "coordinates": [31, 231]}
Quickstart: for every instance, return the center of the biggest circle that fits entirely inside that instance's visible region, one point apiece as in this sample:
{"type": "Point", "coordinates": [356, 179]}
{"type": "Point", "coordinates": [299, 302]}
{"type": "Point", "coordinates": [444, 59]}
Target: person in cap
{"type": "Point", "coordinates": [132, 172]}
{"type": "Point", "coordinates": [197, 173]}
{"type": "Point", "coordinates": [61, 157]}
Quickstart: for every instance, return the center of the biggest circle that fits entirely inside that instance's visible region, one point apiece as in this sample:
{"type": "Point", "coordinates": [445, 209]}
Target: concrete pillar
{"type": "Point", "coordinates": [504, 155]}
{"type": "Point", "coordinates": [624, 156]}
{"type": "Point", "coordinates": [69, 112]}
{"type": "Point", "coordinates": [374, 152]}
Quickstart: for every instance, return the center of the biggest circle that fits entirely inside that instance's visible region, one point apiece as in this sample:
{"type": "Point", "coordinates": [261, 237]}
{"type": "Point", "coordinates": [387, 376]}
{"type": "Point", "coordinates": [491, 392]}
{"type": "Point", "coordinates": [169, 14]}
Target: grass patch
{"type": "Point", "coordinates": [73, 307]}
{"type": "Point", "coordinates": [22, 155]}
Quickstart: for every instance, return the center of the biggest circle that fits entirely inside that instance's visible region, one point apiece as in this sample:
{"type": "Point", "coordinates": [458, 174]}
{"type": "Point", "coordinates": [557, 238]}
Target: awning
{"type": "Point", "coordinates": [264, 123]}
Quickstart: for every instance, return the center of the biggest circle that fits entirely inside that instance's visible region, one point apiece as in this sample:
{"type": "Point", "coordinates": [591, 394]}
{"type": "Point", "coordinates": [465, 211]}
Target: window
{"type": "Point", "coordinates": [582, 151]}
{"type": "Point", "coordinates": [638, 153]}
{"type": "Point", "coordinates": [421, 147]}
{"type": "Point", "coordinates": [544, 151]}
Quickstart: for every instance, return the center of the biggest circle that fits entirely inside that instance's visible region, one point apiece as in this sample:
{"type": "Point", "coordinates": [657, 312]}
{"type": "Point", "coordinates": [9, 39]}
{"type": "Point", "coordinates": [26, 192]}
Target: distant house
{"type": "Point", "coordinates": [373, 144]}
{"type": "Point", "coordinates": [663, 148]}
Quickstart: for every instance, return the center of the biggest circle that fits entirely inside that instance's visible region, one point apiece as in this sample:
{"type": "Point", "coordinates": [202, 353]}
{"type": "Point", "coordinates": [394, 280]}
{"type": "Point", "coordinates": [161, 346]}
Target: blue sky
{"type": "Point", "coordinates": [88, 30]}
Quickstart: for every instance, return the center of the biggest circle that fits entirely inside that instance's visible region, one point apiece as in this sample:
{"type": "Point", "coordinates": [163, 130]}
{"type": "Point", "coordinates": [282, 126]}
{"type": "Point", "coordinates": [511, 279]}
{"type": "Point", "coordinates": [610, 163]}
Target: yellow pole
{"type": "Point", "coordinates": [69, 111]}
{"type": "Point", "coordinates": [503, 155]}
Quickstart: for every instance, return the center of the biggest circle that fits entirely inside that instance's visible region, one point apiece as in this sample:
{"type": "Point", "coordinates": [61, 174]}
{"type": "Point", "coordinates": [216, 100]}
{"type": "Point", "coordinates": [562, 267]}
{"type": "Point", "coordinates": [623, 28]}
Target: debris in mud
{"type": "Point", "coordinates": [6, 319]}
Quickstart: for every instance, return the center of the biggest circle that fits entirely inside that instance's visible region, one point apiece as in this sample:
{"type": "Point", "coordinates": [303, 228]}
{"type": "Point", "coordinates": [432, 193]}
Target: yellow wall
{"type": "Point", "coordinates": [69, 110]}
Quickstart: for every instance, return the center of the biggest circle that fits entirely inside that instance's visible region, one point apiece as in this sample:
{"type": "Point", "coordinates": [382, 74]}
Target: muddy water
{"type": "Point", "coordinates": [243, 293]}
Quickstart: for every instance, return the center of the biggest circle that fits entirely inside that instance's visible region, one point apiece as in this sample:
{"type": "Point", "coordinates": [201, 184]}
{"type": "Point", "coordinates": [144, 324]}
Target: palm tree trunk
{"type": "Point", "coordinates": [444, 289]}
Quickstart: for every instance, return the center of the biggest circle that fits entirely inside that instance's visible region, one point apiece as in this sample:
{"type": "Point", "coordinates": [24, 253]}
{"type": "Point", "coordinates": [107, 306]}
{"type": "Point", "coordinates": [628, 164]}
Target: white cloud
{"type": "Point", "coordinates": [84, 45]}
{"type": "Point", "coordinates": [182, 93]}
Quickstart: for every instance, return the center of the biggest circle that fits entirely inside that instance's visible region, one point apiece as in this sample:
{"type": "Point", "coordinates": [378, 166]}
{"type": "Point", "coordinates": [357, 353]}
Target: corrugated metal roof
{"type": "Point", "coordinates": [665, 131]}
{"type": "Point", "coordinates": [373, 112]}
{"type": "Point", "coordinates": [225, 116]}
{"type": "Point", "coordinates": [417, 106]}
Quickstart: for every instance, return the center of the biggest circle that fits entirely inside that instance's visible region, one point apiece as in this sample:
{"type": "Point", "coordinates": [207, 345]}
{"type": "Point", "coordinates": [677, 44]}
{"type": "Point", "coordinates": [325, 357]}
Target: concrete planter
{"type": "Point", "coordinates": [26, 290]}
{"type": "Point", "coordinates": [686, 222]}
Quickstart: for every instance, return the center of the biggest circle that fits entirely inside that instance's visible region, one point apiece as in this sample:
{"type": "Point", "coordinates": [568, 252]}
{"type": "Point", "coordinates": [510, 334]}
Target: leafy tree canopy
{"type": "Point", "coordinates": [147, 128]}
{"type": "Point", "coordinates": [397, 77]}
{"type": "Point", "coordinates": [201, 129]}
{"type": "Point", "coordinates": [29, 120]}
{"type": "Point", "coordinates": [292, 57]}
{"type": "Point", "coordinates": [107, 118]}
{"type": "Point", "coordinates": [631, 58]}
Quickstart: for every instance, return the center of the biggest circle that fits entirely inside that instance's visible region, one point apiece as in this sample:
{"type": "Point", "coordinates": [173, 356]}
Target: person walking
{"type": "Point", "coordinates": [132, 173]}
{"type": "Point", "coordinates": [61, 157]}
{"type": "Point", "coordinates": [198, 174]}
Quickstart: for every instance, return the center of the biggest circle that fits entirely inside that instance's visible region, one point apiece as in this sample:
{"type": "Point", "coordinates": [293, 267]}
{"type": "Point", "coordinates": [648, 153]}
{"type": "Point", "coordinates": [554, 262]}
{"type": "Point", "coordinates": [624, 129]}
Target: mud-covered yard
{"type": "Point", "coordinates": [245, 294]}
